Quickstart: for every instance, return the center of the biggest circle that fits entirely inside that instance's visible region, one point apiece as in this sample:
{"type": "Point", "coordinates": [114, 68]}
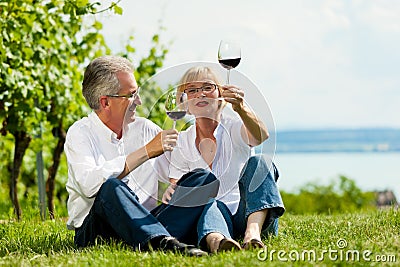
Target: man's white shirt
{"type": "Point", "coordinates": [94, 154]}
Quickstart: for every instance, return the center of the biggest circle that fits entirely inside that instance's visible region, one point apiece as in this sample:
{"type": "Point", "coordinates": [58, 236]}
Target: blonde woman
{"type": "Point", "coordinates": [223, 145]}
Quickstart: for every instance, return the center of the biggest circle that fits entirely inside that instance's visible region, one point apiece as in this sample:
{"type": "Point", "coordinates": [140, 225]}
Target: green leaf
{"type": "Point", "coordinates": [117, 10]}
{"type": "Point", "coordinates": [97, 25]}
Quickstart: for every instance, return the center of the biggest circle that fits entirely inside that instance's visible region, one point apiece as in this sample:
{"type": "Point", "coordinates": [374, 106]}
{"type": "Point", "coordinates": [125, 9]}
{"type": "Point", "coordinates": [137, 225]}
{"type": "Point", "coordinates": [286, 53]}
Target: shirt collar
{"type": "Point", "coordinates": [100, 126]}
{"type": "Point", "coordinates": [221, 125]}
{"type": "Point", "coordinates": [217, 131]}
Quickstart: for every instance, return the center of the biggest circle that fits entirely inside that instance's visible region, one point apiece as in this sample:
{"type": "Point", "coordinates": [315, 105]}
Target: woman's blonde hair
{"type": "Point", "coordinates": [199, 73]}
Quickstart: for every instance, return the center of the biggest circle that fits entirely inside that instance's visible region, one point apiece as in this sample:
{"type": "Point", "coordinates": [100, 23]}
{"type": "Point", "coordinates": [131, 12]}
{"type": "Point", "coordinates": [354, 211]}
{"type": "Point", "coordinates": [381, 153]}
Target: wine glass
{"type": "Point", "coordinates": [176, 105]}
{"type": "Point", "coordinates": [229, 55]}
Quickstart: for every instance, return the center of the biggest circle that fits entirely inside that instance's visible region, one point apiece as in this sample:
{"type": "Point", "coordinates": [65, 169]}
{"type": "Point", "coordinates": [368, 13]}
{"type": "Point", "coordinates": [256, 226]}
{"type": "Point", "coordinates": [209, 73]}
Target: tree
{"type": "Point", "coordinates": [44, 48]}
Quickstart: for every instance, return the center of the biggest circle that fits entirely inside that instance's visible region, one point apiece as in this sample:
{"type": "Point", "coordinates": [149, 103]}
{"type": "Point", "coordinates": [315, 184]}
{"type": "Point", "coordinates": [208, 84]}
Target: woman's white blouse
{"type": "Point", "coordinates": [231, 156]}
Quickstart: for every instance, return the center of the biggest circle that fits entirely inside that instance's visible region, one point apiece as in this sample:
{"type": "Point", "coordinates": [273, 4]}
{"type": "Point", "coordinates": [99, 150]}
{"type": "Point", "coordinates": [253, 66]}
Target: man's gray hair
{"type": "Point", "coordinates": [100, 78]}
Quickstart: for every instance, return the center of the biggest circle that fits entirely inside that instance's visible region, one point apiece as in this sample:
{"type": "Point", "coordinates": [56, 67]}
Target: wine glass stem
{"type": "Point", "coordinates": [227, 75]}
{"type": "Point", "coordinates": [174, 124]}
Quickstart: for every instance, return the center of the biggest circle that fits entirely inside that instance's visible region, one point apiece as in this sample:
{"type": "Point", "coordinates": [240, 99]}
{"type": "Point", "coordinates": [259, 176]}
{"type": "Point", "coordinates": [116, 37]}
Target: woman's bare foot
{"type": "Point", "coordinates": [252, 232]}
{"type": "Point", "coordinates": [255, 222]}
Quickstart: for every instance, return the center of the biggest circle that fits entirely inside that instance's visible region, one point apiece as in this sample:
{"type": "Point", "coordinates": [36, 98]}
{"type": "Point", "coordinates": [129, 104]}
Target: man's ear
{"type": "Point", "coordinates": [104, 102]}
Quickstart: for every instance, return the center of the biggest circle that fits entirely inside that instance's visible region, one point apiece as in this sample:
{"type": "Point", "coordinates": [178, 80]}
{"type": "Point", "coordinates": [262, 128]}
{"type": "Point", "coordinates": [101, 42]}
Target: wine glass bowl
{"type": "Point", "coordinates": [176, 105]}
{"type": "Point", "coordinates": [229, 63]}
{"type": "Point", "coordinates": [229, 55]}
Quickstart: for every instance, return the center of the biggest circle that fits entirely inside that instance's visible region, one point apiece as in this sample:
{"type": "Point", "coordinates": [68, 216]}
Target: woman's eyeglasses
{"type": "Point", "coordinates": [206, 88]}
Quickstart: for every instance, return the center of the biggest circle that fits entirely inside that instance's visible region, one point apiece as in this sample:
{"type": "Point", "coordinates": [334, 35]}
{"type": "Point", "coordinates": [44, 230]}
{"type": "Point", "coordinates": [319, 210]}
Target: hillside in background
{"type": "Point", "coordinates": [339, 140]}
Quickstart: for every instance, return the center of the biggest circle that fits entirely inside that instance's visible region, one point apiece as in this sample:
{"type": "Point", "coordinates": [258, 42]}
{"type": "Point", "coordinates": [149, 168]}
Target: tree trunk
{"type": "Point", "coordinates": [50, 183]}
{"type": "Point", "coordinates": [22, 141]}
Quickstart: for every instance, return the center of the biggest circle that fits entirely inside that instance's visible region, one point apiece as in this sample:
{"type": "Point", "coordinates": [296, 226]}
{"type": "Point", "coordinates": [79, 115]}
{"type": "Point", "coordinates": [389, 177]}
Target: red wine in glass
{"type": "Point", "coordinates": [229, 63]}
{"type": "Point", "coordinates": [176, 108]}
{"type": "Point", "coordinates": [229, 56]}
{"type": "Point", "coordinates": [176, 115]}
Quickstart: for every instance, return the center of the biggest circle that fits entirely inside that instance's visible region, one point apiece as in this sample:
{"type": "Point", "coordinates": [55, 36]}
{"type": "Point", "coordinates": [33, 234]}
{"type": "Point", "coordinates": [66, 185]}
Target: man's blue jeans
{"type": "Point", "coordinates": [118, 214]}
{"type": "Point", "coordinates": [258, 191]}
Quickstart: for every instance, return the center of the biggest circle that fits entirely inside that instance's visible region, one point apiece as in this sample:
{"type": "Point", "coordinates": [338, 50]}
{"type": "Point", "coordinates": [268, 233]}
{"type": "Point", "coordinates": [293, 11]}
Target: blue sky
{"type": "Point", "coordinates": [319, 64]}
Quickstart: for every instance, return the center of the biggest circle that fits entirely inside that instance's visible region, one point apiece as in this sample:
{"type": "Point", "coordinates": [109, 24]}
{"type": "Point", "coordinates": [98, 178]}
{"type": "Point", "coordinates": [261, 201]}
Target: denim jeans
{"type": "Point", "coordinates": [118, 214]}
{"type": "Point", "coordinates": [258, 191]}
{"type": "Point", "coordinates": [181, 215]}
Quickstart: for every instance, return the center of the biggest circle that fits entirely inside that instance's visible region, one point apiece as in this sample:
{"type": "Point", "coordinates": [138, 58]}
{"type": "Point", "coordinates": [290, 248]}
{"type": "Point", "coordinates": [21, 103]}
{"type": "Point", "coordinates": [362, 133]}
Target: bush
{"type": "Point", "coordinates": [340, 196]}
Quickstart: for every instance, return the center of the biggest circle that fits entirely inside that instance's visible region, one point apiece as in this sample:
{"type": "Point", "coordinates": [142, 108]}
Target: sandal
{"type": "Point", "coordinates": [254, 243]}
{"type": "Point", "coordinates": [228, 244]}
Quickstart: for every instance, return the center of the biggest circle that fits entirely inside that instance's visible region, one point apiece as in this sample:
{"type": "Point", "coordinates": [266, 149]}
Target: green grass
{"type": "Point", "coordinates": [35, 243]}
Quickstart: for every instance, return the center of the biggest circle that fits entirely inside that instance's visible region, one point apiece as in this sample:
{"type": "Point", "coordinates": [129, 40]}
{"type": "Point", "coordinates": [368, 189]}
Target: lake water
{"type": "Point", "coordinates": [370, 171]}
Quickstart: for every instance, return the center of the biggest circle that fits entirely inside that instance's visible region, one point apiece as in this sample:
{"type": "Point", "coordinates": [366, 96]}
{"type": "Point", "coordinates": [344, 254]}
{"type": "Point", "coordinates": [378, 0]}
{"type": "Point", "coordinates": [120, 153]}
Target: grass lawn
{"type": "Point", "coordinates": [360, 239]}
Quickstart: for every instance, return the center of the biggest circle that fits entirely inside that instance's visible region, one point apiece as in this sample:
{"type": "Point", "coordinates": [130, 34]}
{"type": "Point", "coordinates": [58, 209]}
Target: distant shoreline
{"type": "Point", "coordinates": [336, 151]}
{"type": "Point", "coordinates": [338, 140]}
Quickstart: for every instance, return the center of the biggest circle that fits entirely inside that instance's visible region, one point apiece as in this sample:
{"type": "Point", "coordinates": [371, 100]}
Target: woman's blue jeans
{"type": "Point", "coordinates": [258, 191]}
{"type": "Point", "coordinates": [117, 213]}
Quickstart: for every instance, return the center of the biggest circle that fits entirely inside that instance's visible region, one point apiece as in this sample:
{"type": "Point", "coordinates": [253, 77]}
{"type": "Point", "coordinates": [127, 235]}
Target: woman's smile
{"type": "Point", "coordinates": [202, 103]}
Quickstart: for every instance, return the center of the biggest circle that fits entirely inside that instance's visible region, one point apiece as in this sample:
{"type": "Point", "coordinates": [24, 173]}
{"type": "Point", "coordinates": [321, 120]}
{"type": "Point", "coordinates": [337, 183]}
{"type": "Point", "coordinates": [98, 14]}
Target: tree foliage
{"type": "Point", "coordinates": [44, 48]}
